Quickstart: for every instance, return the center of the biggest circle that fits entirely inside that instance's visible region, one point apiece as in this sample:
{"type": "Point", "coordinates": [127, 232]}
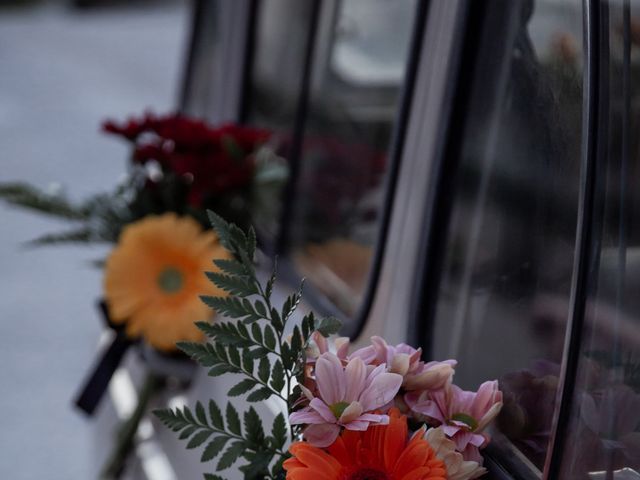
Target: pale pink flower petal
{"type": "Point", "coordinates": [351, 413]}
{"type": "Point", "coordinates": [321, 435]}
{"type": "Point", "coordinates": [431, 377]}
{"type": "Point", "coordinates": [424, 404]}
{"type": "Point", "coordinates": [305, 416]}
{"type": "Point", "coordinates": [330, 378]}
{"type": "Point", "coordinates": [462, 414]}
{"type": "Point", "coordinates": [358, 425]}
{"type": "Point", "coordinates": [352, 392]}
{"type": "Point", "coordinates": [374, 418]}
{"type": "Point", "coordinates": [451, 430]}
{"type": "Point", "coordinates": [405, 360]}
{"type": "Point", "coordinates": [445, 450]}
{"type": "Point", "coordinates": [489, 416]}
{"type": "Point", "coordinates": [306, 392]}
{"type": "Point", "coordinates": [367, 354]}
{"type": "Point", "coordinates": [400, 364]}
{"type": "Point", "coordinates": [383, 353]}
{"type": "Point", "coordinates": [487, 395]}
{"type": "Point", "coordinates": [342, 347]}
{"type": "Point", "coordinates": [356, 376]}
{"type": "Point", "coordinates": [321, 342]}
{"type": "Point", "coordinates": [321, 345]}
{"type": "Point", "coordinates": [382, 389]}
{"type": "Point", "coordinates": [472, 454]}
{"type": "Point", "coordinates": [323, 410]}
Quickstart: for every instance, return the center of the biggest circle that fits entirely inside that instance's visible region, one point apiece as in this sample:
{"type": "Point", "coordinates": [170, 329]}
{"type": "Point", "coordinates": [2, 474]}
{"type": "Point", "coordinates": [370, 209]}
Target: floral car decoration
{"type": "Point", "coordinates": [344, 416]}
{"type": "Point", "coordinates": [162, 242]}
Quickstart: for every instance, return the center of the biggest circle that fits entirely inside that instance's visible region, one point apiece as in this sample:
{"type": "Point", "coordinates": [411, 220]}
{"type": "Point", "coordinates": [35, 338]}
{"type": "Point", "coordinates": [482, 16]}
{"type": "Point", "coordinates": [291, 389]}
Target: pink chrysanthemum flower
{"type": "Point", "coordinates": [321, 345]}
{"type": "Point", "coordinates": [405, 360]}
{"type": "Point", "coordinates": [463, 415]}
{"type": "Point", "coordinates": [445, 450]}
{"type": "Point", "coordinates": [346, 397]}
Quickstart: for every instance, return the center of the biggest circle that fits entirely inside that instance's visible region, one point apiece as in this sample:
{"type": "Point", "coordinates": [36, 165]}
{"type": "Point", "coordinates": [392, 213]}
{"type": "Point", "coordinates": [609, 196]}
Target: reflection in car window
{"type": "Point", "coordinates": [280, 47]}
{"type": "Point", "coordinates": [354, 103]}
{"type": "Point", "coordinates": [603, 440]}
{"type": "Point", "coordinates": [503, 295]}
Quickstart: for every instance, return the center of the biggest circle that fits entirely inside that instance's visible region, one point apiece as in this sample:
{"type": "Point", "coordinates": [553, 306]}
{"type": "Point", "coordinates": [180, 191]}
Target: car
{"type": "Point", "coordinates": [463, 177]}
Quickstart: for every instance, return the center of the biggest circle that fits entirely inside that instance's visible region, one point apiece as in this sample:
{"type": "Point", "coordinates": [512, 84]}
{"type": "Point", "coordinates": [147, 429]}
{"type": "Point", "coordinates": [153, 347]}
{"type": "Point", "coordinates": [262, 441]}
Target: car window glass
{"type": "Point", "coordinates": [603, 440]}
{"type": "Point", "coordinates": [358, 73]}
{"type": "Point", "coordinates": [273, 91]}
{"type": "Point", "coordinates": [503, 296]}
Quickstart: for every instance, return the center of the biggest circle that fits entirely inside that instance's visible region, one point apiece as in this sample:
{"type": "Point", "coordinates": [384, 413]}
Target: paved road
{"type": "Point", "coordinates": [60, 73]}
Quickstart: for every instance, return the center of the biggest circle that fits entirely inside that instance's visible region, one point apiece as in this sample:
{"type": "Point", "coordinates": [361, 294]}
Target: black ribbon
{"type": "Point", "coordinates": [97, 382]}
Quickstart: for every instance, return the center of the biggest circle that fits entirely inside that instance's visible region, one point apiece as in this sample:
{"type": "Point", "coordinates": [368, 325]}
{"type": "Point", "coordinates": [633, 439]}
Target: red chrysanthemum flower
{"type": "Point", "coordinates": [131, 129]}
{"type": "Point", "coordinates": [379, 453]}
{"type": "Point", "coordinates": [213, 161]}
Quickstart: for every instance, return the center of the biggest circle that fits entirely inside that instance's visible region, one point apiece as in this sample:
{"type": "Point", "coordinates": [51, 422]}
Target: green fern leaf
{"type": "Point", "coordinates": [233, 420]}
{"type": "Point", "coordinates": [253, 428]}
{"type": "Point", "coordinates": [231, 455]}
{"type": "Point", "coordinates": [213, 448]}
{"type": "Point", "coordinates": [199, 438]}
{"type": "Point", "coordinates": [216, 415]}
{"type": "Point", "coordinates": [279, 431]}
{"type": "Point", "coordinates": [243, 387]}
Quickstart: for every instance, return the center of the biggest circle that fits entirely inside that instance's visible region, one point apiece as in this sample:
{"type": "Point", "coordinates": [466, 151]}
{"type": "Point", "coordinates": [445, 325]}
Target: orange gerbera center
{"type": "Point", "coordinates": [382, 452]}
{"type": "Point", "coordinates": [154, 276]}
{"type": "Point", "coordinates": [367, 474]}
{"type": "Point", "coordinates": [171, 280]}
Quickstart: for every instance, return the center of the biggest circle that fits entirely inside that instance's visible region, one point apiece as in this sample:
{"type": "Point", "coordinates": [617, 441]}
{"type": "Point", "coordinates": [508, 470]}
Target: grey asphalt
{"type": "Point", "coordinates": [61, 73]}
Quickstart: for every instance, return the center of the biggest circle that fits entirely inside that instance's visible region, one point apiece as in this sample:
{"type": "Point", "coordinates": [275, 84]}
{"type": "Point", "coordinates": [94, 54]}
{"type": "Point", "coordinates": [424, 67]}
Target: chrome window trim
{"type": "Point", "coordinates": [429, 110]}
{"type": "Point", "coordinates": [590, 217]}
{"type": "Point", "coordinates": [214, 82]}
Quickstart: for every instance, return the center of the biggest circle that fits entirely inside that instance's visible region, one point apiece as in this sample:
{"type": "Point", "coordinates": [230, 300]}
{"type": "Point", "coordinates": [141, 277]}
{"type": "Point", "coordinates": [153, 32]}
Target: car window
{"type": "Point", "coordinates": [273, 94]}
{"type": "Point", "coordinates": [359, 64]}
{"type": "Point", "coordinates": [603, 432]}
{"type": "Point", "coordinates": [507, 255]}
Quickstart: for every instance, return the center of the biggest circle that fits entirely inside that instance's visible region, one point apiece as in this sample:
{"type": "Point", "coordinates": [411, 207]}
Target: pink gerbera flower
{"type": "Point", "coordinates": [405, 360]}
{"type": "Point", "coordinates": [463, 415]}
{"type": "Point", "coordinates": [346, 397]}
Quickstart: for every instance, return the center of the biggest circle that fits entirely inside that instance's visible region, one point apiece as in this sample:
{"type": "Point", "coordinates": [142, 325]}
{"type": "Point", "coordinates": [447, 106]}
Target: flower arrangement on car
{"type": "Point", "coordinates": [156, 218]}
{"type": "Point", "coordinates": [379, 412]}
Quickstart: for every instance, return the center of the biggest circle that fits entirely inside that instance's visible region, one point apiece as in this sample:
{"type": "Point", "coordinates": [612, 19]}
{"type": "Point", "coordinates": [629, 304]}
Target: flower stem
{"type": "Point", "coordinates": [125, 439]}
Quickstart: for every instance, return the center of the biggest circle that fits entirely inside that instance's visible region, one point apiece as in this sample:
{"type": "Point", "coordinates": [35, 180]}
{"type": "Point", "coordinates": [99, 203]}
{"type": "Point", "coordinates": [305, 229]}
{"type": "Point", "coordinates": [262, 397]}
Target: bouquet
{"type": "Point", "coordinates": [156, 218]}
{"type": "Point", "coordinates": [380, 412]}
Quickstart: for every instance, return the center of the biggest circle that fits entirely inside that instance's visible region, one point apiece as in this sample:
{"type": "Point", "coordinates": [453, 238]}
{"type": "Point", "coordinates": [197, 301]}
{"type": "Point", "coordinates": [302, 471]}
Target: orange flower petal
{"type": "Point", "coordinates": [133, 287]}
{"type": "Point", "coordinates": [314, 461]}
{"type": "Point", "coordinates": [384, 449]}
{"type": "Point", "coordinates": [395, 438]}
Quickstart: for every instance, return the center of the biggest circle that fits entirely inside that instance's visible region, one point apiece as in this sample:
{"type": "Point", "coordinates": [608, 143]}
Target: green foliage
{"type": "Point", "coordinates": [264, 345]}
{"type": "Point", "coordinates": [100, 218]}
{"type": "Point", "coordinates": [26, 196]}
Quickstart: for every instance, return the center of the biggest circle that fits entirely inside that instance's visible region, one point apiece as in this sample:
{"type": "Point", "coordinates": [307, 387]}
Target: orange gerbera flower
{"type": "Point", "coordinates": [379, 453]}
{"type": "Point", "coordinates": [155, 275]}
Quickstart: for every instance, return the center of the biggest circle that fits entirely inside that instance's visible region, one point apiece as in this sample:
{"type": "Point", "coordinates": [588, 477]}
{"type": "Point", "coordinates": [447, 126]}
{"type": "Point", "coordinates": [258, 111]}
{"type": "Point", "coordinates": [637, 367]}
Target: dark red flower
{"type": "Point", "coordinates": [187, 133]}
{"type": "Point", "coordinates": [212, 174]}
{"type": "Point", "coordinates": [150, 151]}
{"type": "Point", "coordinates": [248, 139]}
{"type": "Point", "coordinates": [130, 130]}
{"type": "Point", "coordinates": [211, 160]}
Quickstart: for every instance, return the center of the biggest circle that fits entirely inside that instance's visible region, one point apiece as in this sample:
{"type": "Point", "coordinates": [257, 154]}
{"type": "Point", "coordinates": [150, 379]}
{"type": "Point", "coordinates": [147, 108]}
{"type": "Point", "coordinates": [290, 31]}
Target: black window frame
{"type": "Point", "coordinates": [589, 217]}
{"type": "Point", "coordinates": [279, 247]}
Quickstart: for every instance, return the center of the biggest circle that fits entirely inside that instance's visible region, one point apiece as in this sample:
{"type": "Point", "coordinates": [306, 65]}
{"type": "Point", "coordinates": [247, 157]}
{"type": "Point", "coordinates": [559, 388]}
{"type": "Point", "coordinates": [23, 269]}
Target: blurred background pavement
{"type": "Point", "coordinates": [62, 71]}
